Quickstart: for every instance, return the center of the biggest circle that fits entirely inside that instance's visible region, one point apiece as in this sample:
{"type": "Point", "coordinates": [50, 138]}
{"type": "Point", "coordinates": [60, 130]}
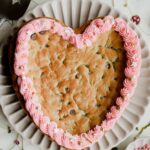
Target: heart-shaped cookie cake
{"type": "Point", "coordinates": [76, 83]}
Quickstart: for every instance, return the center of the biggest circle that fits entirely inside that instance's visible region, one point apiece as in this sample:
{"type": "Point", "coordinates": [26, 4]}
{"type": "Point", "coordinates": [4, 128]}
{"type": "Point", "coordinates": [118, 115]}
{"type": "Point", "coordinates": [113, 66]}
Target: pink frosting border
{"type": "Point", "coordinates": [96, 27]}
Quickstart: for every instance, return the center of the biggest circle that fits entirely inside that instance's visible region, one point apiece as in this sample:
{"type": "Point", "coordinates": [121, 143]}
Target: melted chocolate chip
{"type": "Point", "coordinates": [102, 76]}
{"type": "Point", "coordinates": [98, 52]}
{"type": "Point", "coordinates": [67, 89]}
{"type": "Point", "coordinates": [98, 105]}
{"type": "Point", "coordinates": [42, 32]}
{"type": "Point", "coordinates": [69, 103]}
{"type": "Point", "coordinates": [65, 116]}
{"type": "Point", "coordinates": [77, 76]}
{"type": "Point", "coordinates": [87, 66]}
{"type": "Point", "coordinates": [72, 112]}
{"type": "Point", "coordinates": [86, 114]}
{"type": "Point", "coordinates": [102, 97]}
{"type": "Point", "coordinates": [42, 74]}
{"type": "Point", "coordinates": [116, 78]}
{"type": "Point", "coordinates": [33, 36]}
{"type": "Point", "coordinates": [64, 61]}
{"type": "Point", "coordinates": [59, 57]}
{"type": "Point", "coordinates": [108, 65]}
{"type": "Point", "coordinates": [47, 45]}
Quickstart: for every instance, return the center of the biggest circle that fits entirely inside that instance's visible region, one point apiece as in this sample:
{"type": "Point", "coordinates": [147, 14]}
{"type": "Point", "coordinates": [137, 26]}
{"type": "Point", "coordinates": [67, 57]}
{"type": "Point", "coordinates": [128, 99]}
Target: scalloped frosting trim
{"type": "Point", "coordinates": [96, 27]}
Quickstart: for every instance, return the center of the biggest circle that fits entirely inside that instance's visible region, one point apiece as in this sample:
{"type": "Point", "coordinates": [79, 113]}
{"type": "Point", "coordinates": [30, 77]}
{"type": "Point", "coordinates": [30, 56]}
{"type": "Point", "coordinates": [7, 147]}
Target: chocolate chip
{"type": "Point", "coordinates": [59, 57]}
{"type": "Point", "coordinates": [98, 105]}
{"type": "Point", "coordinates": [108, 65]}
{"type": "Point", "coordinates": [86, 114]}
{"type": "Point", "coordinates": [33, 36]}
{"type": "Point", "coordinates": [42, 74]}
{"type": "Point", "coordinates": [102, 76]}
{"type": "Point", "coordinates": [42, 32]}
{"type": "Point", "coordinates": [103, 57]}
{"type": "Point", "coordinates": [64, 61]}
{"type": "Point", "coordinates": [65, 116]}
{"type": "Point", "coordinates": [67, 89]}
{"type": "Point", "coordinates": [77, 76]}
{"type": "Point", "coordinates": [47, 45]}
{"type": "Point", "coordinates": [69, 103]}
{"type": "Point", "coordinates": [72, 112]}
{"type": "Point", "coordinates": [98, 52]}
{"type": "Point", "coordinates": [102, 97]}
{"type": "Point", "coordinates": [116, 78]}
{"type": "Point", "coordinates": [87, 66]}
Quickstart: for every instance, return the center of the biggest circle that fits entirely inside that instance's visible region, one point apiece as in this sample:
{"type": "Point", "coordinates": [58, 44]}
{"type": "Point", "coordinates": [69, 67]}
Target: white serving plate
{"type": "Point", "coordinates": [74, 13]}
{"type": "Point", "coordinates": [138, 143]}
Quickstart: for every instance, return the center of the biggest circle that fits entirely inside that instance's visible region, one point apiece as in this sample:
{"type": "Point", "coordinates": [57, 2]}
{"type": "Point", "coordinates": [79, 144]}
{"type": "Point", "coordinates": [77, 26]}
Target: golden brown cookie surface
{"type": "Point", "coordinates": [76, 87]}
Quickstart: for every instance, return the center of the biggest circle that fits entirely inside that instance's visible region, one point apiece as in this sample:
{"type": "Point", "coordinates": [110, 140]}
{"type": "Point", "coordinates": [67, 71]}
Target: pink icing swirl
{"type": "Point", "coordinates": [44, 122]}
{"type": "Point", "coordinates": [26, 88]}
{"type": "Point", "coordinates": [36, 116]}
{"type": "Point", "coordinates": [128, 84]}
{"type": "Point", "coordinates": [96, 27]}
{"type": "Point", "coordinates": [51, 127]}
{"type": "Point", "coordinates": [124, 92]}
{"type": "Point", "coordinates": [108, 124]}
{"type": "Point", "coordinates": [132, 54]}
{"type": "Point", "coordinates": [130, 72]}
{"type": "Point", "coordinates": [121, 103]}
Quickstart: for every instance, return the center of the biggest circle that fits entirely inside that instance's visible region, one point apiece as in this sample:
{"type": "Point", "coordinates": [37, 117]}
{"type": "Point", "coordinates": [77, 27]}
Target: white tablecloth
{"type": "Point", "coordinates": [10, 139]}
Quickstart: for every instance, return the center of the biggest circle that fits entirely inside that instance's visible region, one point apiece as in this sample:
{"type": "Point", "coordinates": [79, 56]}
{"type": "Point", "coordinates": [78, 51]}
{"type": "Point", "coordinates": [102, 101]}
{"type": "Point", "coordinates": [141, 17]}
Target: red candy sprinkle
{"type": "Point", "coordinates": [136, 19]}
{"type": "Point", "coordinates": [16, 142]}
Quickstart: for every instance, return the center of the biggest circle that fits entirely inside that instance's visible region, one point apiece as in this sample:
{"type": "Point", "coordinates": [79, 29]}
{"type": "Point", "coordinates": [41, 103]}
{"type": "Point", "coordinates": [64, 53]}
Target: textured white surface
{"type": "Point", "coordinates": [138, 7]}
